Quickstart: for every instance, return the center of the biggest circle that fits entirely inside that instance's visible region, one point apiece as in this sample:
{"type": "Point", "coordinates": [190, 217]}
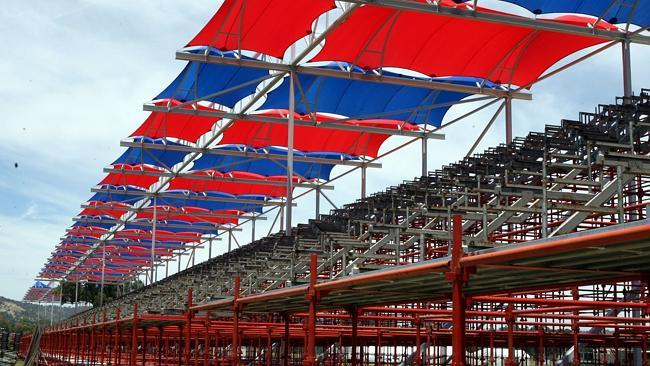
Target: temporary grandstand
{"type": "Point", "coordinates": [532, 252]}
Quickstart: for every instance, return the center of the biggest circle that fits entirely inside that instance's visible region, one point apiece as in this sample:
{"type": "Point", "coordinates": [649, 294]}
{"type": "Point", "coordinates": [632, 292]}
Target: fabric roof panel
{"type": "Point", "coordinates": [267, 26]}
{"type": "Point", "coordinates": [439, 45]}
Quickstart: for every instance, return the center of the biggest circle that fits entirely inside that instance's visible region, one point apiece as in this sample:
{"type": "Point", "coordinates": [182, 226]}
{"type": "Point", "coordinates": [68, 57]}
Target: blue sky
{"type": "Point", "coordinates": [74, 76]}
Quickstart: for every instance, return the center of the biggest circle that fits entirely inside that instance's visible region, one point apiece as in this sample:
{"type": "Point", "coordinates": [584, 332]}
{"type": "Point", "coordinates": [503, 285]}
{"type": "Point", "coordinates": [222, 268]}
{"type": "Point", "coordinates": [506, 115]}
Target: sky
{"type": "Point", "coordinates": [74, 76]}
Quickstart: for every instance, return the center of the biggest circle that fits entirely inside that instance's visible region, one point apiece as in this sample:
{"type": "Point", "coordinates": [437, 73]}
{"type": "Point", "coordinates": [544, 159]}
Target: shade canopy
{"type": "Point", "coordinates": [363, 99]}
{"type": "Point", "coordinates": [438, 45]}
{"type": "Point", "coordinates": [222, 84]}
{"type": "Point", "coordinates": [613, 11]}
{"type": "Point", "coordinates": [267, 26]}
{"type": "Point", "coordinates": [175, 125]}
{"type": "Point", "coordinates": [313, 138]}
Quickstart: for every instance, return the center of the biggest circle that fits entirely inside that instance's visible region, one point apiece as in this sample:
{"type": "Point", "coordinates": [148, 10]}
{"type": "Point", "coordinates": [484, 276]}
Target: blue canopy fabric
{"type": "Point", "coordinates": [125, 242]}
{"type": "Point", "coordinates": [357, 98]}
{"type": "Point", "coordinates": [157, 157]}
{"type": "Point", "coordinates": [621, 11]}
{"type": "Point", "coordinates": [266, 166]}
{"type": "Point", "coordinates": [104, 225]}
{"type": "Point", "coordinates": [194, 199]}
{"type": "Point", "coordinates": [40, 284]}
{"type": "Point", "coordinates": [199, 79]}
{"type": "Point", "coordinates": [118, 196]}
{"type": "Point", "coordinates": [164, 225]}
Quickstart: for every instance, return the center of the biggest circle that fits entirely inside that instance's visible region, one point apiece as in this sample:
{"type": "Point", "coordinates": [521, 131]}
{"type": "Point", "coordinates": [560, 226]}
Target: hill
{"type": "Point", "coordinates": [17, 316]}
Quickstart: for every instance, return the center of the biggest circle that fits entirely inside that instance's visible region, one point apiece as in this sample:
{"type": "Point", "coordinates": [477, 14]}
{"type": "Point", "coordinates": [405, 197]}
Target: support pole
{"type": "Point", "coordinates": [253, 230]}
{"type": "Point", "coordinates": [236, 349]}
{"type": "Point", "coordinates": [317, 193]}
{"type": "Point", "coordinates": [627, 69]}
{"type": "Point", "coordinates": [118, 336]}
{"type": "Point", "coordinates": [101, 290]}
{"type": "Point", "coordinates": [355, 320]}
{"type": "Point", "coordinates": [363, 181]}
{"type": "Point", "coordinates": [134, 336]}
{"type": "Point", "coordinates": [424, 157]}
{"type": "Point", "coordinates": [292, 109]}
{"type": "Point", "coordinates": [418, 342]}
{"type": "Point", "coordinates": [312, 296]}
{"type": "Point", "coordinates": [153, 239]}
{"type": "Point", "coordinates": [457, 277]}
{"type": "Point", "coordinates": [508, 119]}
{"type": "Point", "coordinates": [510, 320]}
{"type": "Point", "coordinates": [188, 326]}
{"type": "Point", "coordinates": [285, 352]}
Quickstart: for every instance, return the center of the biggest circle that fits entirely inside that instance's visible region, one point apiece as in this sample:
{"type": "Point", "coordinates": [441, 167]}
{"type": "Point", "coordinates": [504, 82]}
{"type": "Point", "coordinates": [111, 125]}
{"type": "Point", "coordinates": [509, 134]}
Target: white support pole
{"type": "Point", "coordinates": [424, 156]}
{"type": "Point", "coordinates": [292, 109]}
{"type": "Point", "coordinates": [210, 248]}
{"type": "Point", "coordinates": [363, 181]}
{"type": "Point", "coordinates": [76, 294]}
{"type": "Point", "coordinates": [508, 120]}
{"type": "Point", "coordinates": [153, 238]}
{"type": "Point", "coordinates": [252, 230]}
{"type": "Point", "coordinates": [229, 240]}
{"type": "Point", "coordinates": [627, 69]}
{"type": "Point", "coordinates": [101, 291]}
{"type": "Point", "coordinates": [317, 193]}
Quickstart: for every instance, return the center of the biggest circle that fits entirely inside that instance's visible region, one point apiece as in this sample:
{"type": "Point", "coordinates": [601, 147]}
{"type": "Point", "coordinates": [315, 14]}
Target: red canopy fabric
{"type": "Point", "coordinates": [311, 138]}
{"type": "Point", "coordinates": [439, 45]}
{"type": "Point", "coordinates": [112, 209]}
{"type": "Point", "coordinates": [181, 126]}
{"type": "Point", "coordinates": [232, 187]}
{"type": "Point", "coordinates": [267, 26]}
{"type": "Point", "coordinates": [163, 235]}
{"type": "Point", "coordinates": [189, 214]}
{"type": "Point", "coordinates": [131, 175]}
{"type": "Point", "coordinates": [91, 231]}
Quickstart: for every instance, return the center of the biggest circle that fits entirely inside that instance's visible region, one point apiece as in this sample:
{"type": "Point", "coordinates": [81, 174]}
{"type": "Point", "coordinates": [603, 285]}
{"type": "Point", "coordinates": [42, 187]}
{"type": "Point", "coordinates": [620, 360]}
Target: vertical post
{"type": "Point", "coordinates": [188, 326]}
{"type": "Point", "coordinates": [160, 345]}
{"type": "Point", "coordinates": [292, 109]}
{"type": "Point", "coordinates": [153, 238]}
{"type": "Point", "coordinates": [253, 229]}
{"type": "Point", "coordinates": [103, 342]}
{"type": "Point", "coordinates": [363, 181]}
{"type": "Point", "coordinates": [269, 347]}
{"type": "Point", "coordinates": [210, 248]}
{"type": "Point", "coordinates": [576, 329]}
{"type": "Point", "coordinates": [456, 275]}
{"type": "Point", "coordinates": [540, 347]}
{"type": "Point", "coordinates": [312, 296]}
{"type": "Point", "coordinates": [76, 294]}
{"type": "Point", "coordinates": [355, 320]}
{"type": "Point", "coordinates": [510, 320]}
{"type": "Point", "coordinates": [134, 336]}
{"type": "Point", "coordinates": [508, 119]}
{"type": "Point", "coordinates": [144, 346]}
{"type": "Point", "coordinates": [418, 342]}
{"type": "Point", "coordinates": [118, 336]}
{"type": "Point", "coordinates": [425, 170]}
{"type": "Point", "coordinates": [229, 240]}
{"type": "Point", "coordinates": [627, 69]}
{"type": "Point", "coordinates": [286, 340]}
{"type": "Point", "coordinates": [206, 346]}
{"type": "Point", "coordinates": [236, 349]}
{"type": "Point", "coordinates": [317, 192]}
{"type": "Point", "coordinates": [101, 290]}
{"type": "Point", "coordinates": [93, 341]}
